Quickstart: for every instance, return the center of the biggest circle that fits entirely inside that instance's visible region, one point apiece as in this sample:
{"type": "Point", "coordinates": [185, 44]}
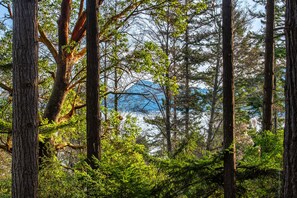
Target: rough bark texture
{"type": "Point", "coordinates": [93, 110]}
{"type": "Point", "coordinates": [228, 101]}
{"type": "Point", "coordinates": [25, 100]}
{"type": "Point", "coordinates": [290, 141]}
{"type": "Point", "coordinates": [269, 67]}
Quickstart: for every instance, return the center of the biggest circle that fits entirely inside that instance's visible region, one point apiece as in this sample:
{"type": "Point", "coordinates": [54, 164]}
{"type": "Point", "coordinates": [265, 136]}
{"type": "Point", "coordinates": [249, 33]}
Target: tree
{"type": "Point", "coordinates": [93, 69]}
{"type": "Point", "coordinates": [290, 144]}
{"type": "Point", "coordinates": [187, 76]}
{"type": "Point", "coordinates": [70, 51]}
{"type": "Point", "coordinates": [228, 101]}
{"type": "Point", "coordinates": [269, 67]}
{"type": "Point", "coordinates": [25, 100]}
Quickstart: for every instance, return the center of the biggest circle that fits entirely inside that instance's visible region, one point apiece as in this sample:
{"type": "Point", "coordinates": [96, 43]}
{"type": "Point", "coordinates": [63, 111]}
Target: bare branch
{"type": "Point", "coordinates": [5, 87]}
{"type": "Point", "coordinates": [43, 38]}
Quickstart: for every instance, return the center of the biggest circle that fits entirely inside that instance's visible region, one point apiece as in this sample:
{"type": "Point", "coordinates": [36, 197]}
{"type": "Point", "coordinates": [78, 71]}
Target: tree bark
{"type": "Point", "coordinates": [25, 100]}
{"type": "Point", "coordinates": [167, 92]}
{"type": "Point", "coordinates": [61, 82]}
{"type": "Point", "coordinates": [58, 95]}
{"type": "Point", "coordinates": [269, 67]}
{"type": "Point", "coordinates": [290, 143]}
{"type": "Point", "coordinates": [228, 101]}
{"type": "Point", "coordinates": [93, 110]}
{"type": "Point", "coordinates": [105, 83]}
{"type": "Point", "coordinates": [187, 80]}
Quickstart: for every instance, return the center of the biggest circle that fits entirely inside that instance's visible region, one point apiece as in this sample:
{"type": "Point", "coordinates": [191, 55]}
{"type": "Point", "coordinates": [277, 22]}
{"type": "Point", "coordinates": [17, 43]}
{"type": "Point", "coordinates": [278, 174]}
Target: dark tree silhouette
{"type": "Point", "coordinates": [93, 110]}
{"type": "Point", "coordinates": [228, 101]}
{"type": "Point", "coordinates": [290, 143]}
{"type": "Point", "coordinates": [25, 99]}
{"type": "Point", "coordinates": [269, 67]}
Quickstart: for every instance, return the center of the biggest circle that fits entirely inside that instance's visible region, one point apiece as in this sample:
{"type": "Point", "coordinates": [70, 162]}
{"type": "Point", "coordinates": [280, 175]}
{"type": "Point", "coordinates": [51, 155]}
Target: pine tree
{"type": "Point", "coordinates": [290, 144]}
{"type": "Point", "coordinates": [269, 67]}
{"type": "Point", "coordinates": [228, 101]}
{"type": "Point", "coordinates": [25, 100]}
{"type": "Point", "coordinates": [93, 70]}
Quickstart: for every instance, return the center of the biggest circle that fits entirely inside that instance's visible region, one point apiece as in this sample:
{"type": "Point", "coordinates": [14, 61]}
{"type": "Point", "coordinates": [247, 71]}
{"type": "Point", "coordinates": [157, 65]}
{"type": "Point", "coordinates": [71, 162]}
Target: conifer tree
{"type": "Point", "coordinates": [93, 109]}
{"type": "Point", "coordinates": [25, 100]}
{"type": "Point", "coordinates": [228, 101]}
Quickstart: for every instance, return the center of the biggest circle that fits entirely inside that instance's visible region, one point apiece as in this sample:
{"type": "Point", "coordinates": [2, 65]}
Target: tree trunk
{"type": "Point", "coordinates": [93, 109]}
{"type": "Point", "coordinates": [174, 105]}
{"type": "Point", "coordinates": [62, 78]}
{"type": "Point", "coordinates": [290, 143]}
{"type": "Point", "coordinates": [210, 133]}
{"type": "Point", "coordinates": [25, 100]}
{"type": "Point", "coordinates": [61, 82]}
{"type": "Point", "coordinates": [167, 92]}
{"type": "Point", "coordinates": [105, 83]}
{"type": "Point", "coordinates": [167, 116]}
{"type": "Point", "coordinates": [269, 67]}
{"type": "Point", "coordinates": [228, 101]}
{"type": "Point", "coordinates": [116, 80]}
{"type": "Point", "coordinates": [187, 81]}
{"type": "Point", "coordinates": [59, 92]}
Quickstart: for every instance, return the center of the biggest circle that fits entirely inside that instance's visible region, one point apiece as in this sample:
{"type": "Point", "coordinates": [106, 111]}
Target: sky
{"type": "Point", "coordinates": [255, 26]}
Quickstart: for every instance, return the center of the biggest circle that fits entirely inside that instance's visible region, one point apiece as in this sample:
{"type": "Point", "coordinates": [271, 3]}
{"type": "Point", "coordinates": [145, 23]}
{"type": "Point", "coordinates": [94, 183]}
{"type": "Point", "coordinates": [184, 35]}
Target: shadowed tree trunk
{"type": "Point", "coordinates": [25, 100]}
{"type": "Point", "coordinates": [167, 92]}
{"type": "Point", "coordinates": [228, 101]}
{"type": "Point", "coordinates": [290, 143]}
{"type": "Point", "coordinates": [269, 67]}
{"type": "Point", "coordinates": [93, 110]}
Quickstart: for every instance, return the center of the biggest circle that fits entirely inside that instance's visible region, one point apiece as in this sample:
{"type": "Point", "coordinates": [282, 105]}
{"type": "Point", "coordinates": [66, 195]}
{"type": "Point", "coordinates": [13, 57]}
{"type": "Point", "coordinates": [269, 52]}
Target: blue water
{"type": "Point", "coordinates": [143, 97]}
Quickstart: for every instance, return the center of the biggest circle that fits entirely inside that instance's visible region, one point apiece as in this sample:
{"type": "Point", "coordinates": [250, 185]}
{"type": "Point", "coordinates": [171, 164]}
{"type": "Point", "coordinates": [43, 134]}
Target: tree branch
{"type": "Point", "coordinates": [115, 18]}
{"type": "Point", "coordinates": [43, 38]}
{"type": "Point", "coordinates": [63, 24]}
{"type": "Point", "coordinates": [79, 30]}
{"type": "Point", "coordinates": [5, 87]}
{"type": "Point", "coordinates": [66, 144]}
{"type": "Point", "coordinates": [81, 7]}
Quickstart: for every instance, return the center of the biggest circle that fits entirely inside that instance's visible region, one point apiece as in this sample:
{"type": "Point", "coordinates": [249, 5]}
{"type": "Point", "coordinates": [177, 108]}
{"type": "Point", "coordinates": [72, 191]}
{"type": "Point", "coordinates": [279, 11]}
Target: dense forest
{"type": "Point", "coordinates": [148, 98]}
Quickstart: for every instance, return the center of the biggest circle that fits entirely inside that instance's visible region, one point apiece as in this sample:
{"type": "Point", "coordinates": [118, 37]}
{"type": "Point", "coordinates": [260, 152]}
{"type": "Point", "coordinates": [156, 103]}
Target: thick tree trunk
{"type": "Point", "coordinates": [59, 92]}
{"type": "Point", "coordinates": [57, 97]}
{"type": "Point", "coordinates": [25, 100]}
{"type": "Point", "coordinates": [269, 67]}
{"type": "Point", "coordinates": [61, 82]}
{"type": "Point", "coordinates": [290, 139]}
{"type": "Point", "coordinates": [228, 101]}
{"type": "Point", "coordinates": [93, 110]}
